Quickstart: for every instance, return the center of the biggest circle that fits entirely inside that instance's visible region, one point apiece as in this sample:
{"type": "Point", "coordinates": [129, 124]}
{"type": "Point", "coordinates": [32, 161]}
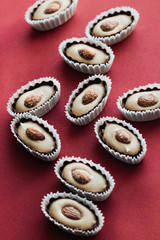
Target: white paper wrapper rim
{"type": "Point", "coordinates": [89, 195]}
{"type": "Point", "coordinates": [120, 156]}
{"type": "Point", "coordinates": [84, 201]}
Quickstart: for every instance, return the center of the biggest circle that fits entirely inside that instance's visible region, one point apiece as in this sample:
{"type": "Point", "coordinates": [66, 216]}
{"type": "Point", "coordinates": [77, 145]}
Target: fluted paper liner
{"type": "Point", "coordinates": [139, 116]}
{"type": "Point", "coordinates": [87, 68]}
{"type": "Point", "coordinates": [42, 109]}
{"type": "Point", "coordinates": [51, 22]}
{"type": "Point", "coordinates": [43, 156]}
{"type": "Point", "coordinates": [99, 196]}
{"type": "Point", "coordinates": [118, 37]}
{"type": "Point", "coordinates": [87, 118]}
{"type": "Point", "coordinates": [120, 156]}
{"type": "Point", "coordinates": [46, 200]}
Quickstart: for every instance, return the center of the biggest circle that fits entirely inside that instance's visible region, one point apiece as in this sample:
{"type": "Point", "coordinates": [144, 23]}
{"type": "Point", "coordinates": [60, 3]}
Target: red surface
{"type": "Point", "coordinates": [133, 209]}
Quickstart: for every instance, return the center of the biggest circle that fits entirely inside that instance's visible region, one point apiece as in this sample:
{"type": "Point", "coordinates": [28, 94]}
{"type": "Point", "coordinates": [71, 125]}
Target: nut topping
{"type": "Point", "coordinates": [122, 136]}
{"type": "Point", "coordinates": [81, 176]}
{"type": "Point", "coordinates": [71, 212]}
{"type": "Point", "coordinates": [89, 97]}
{"type": "Point", "coordinates": [34, 134]}
{"type": "Point", "coordinates": [32, 100]}
{"type": "Point", "coordinates": [52, 8]}
{"type": "Point", "coordinates": [87, 53]}
{"type": "Point", "coordinates": [147, 100]}
{"type": "Point", "coordinates": [108, 25]}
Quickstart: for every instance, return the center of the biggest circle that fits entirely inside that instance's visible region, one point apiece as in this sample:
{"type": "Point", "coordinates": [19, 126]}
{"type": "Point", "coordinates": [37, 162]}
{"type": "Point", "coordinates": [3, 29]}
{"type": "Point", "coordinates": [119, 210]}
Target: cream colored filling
{"type": "Point", "coordinates": [46, 91]}
{"type": "Point", "coordinates": [79, 109]}
{"type": "Point", "coordinates": [44, 146]}
{"type": "Point", "coordinates": [87, 221]}
{"type": "Point", "coordinates": [132, 101]}
{"type": "Point", "coordinates": [97, 182]}
{"type": "Point", "coordinates": [109, 137]}
{"type": "Point", "coordinates": [123, 22]}
{"type": "Point", "coordinates": [39, 13]}
{"type": "Point", "coordinates": [73, 53]}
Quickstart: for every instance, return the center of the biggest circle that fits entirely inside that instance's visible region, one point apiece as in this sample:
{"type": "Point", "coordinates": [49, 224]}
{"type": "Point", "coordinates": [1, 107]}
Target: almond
{"type": "Point", "coordinates": [53, 7]}
{"type": "Point", "coordinates": [122, 136]}
{"type": "Point", "coordinates": [87, 53]}
{"type": "Point", "coordinates": [108, 25]}
{"type": "Point", "coordinates": [34, 134]}
{"type": "Point", "coordinates": [71, 212]}
{"type": "Point", "coordinates": [32, 100]}
{"type": "Point", "coordinates": [89, 96]}
{"type": "Point", "coordinates": [147, 100]}
{"type": "Point", "coordinates": [81, 176]}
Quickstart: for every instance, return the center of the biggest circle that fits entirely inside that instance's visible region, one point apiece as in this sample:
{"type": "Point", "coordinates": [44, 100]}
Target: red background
{"type": "Point", "coordinates": [133, 209]}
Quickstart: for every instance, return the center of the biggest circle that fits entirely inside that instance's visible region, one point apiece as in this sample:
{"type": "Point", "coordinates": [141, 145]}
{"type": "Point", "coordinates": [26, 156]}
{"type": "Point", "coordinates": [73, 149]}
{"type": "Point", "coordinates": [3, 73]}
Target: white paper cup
{"type": "Point", "coordinates": [52, 22]}
{"type": "Point", "coordinates": [42, 109]}
{"type": "Point", "coordinates": [87, 118]}
{"type": "Point", "coordinates": [87, 68]}
{"type": "Point", "coordinates": [43, 156]}
{"type": "Point", "coordinates": [99, 196]}
{"type": "Point", "coordinates": [53, 196]}
{"type": "Point", "coordinates": [120, 156]}
{"type": "Point", "coordinates": [139, 116]}
{"type": "Point", "coordinates": [118, 37]}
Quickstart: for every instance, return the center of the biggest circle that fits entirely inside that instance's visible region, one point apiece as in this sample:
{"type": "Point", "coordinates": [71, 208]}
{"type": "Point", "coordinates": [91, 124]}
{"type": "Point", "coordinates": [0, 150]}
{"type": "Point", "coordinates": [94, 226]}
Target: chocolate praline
{"type": "Point", "coordinates": [84, 177]}
{"type": "Point", "coordinates": [143, 100]}
{"type": "Point", "coordinates": [35, 136]}
{"type": "Point", "coordinates": [72, 214]}
{"type": "Point", "coordinates": [88, 97]}
{"type": "Point", "coordinates": [120, 138]}
{"type": "Point", "coordinates": [112, 24]}
{"type": "Point", "coordinates": [87, 53]}
{"type": "Point", "coordinates": [50, 8]}
{"type": "Point", "coordinates": [34, 97]}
